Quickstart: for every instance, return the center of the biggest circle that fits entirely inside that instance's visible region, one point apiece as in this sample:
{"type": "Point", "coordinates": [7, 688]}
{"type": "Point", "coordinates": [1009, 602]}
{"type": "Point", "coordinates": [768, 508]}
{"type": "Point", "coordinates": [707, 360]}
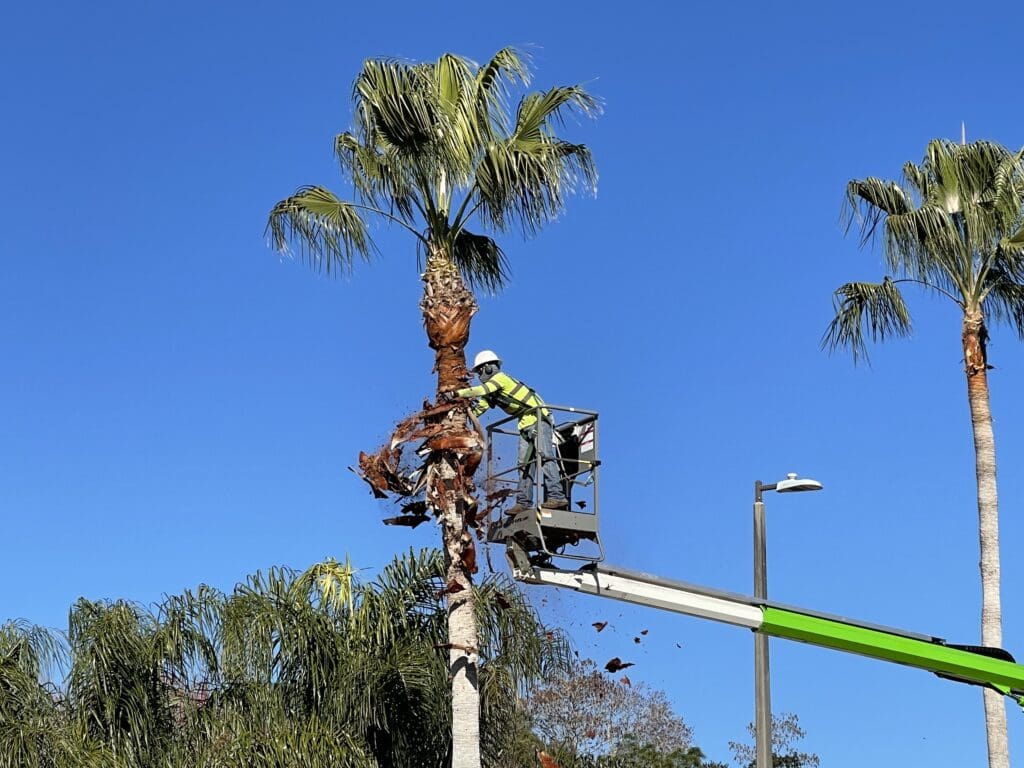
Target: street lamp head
{"type": "Point", "coordinates": [794, 484]}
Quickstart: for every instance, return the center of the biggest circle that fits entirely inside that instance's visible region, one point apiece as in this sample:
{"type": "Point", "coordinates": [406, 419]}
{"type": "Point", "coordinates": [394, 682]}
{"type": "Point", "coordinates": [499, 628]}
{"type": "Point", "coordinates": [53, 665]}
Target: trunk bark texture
{"type": "Point", "coordinates": [448, 307]}
{"type": "Point", "coordinates": [975, 337]}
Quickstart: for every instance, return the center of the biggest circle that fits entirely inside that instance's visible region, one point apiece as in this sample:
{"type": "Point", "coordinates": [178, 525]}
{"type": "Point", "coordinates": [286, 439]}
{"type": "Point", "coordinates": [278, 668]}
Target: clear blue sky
{"type": "Point", "coordinates": [179, 404]}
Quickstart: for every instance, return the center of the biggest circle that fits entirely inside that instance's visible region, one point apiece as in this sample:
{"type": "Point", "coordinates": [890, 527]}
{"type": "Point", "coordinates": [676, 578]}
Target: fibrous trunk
{"type": "Point", "coordinates": [448, 307]}
{"type": "Point", "coordinates": [975, 337]}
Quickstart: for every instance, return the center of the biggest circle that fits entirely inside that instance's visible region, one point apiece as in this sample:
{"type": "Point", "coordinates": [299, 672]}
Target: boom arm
{"type": "Point", "coordinates": [993, 668]}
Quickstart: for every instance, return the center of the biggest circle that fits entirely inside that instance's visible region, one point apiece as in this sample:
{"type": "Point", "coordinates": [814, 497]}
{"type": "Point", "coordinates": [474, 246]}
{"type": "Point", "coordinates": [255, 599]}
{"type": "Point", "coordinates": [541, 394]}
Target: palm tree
{"type": "Point", "coordinates": [955, 228]}
{"type": "Point", "coordinates": [298, 670]}
{"type": "Point", "coordinates": [352, 674]}
{"type": "Point", "coordinates": [435, 151]}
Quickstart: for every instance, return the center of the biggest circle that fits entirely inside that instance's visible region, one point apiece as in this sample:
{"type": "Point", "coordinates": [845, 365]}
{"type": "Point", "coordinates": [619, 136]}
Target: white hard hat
{"type": "Point", "coordinates": [485, 356]}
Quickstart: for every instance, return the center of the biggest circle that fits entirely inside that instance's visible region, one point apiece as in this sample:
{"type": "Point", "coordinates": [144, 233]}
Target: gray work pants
{"type": "Point", "coordinates": [527, 462]}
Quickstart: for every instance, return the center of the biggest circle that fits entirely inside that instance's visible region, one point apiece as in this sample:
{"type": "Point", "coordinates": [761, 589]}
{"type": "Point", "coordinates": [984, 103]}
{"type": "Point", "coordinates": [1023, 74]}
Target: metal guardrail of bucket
{"type": "Point", "coordinates": [536, 535]}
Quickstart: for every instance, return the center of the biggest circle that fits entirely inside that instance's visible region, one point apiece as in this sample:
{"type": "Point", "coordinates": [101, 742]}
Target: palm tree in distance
{"type": "Point", "coordinates": [436, 149]}
{"type": "Point", "coordinates": [955, 228]}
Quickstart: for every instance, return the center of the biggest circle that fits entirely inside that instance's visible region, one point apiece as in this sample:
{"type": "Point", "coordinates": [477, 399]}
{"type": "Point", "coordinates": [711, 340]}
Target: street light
{"type": "Point", "coordinates": [762, 686]}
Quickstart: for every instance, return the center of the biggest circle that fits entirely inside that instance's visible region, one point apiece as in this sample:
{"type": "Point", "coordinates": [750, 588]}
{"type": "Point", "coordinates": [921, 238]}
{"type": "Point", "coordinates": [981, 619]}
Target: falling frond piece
{"type": "Point", "coordinates": [616, 664]}
{"type": "Point", "coordinates": [330, 232]}
{"type": "Point", "coordinates": [876, 309]}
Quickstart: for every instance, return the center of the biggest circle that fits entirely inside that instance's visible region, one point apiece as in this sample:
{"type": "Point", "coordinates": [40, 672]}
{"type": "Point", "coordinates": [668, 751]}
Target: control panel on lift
{"type": "Point", "coordinates": [536, 535]}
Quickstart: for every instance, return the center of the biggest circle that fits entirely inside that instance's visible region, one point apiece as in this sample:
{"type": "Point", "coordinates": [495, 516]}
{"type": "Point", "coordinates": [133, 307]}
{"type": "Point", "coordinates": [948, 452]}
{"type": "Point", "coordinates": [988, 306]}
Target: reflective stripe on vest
{"type": "Point", "coordinates": [515, 398]}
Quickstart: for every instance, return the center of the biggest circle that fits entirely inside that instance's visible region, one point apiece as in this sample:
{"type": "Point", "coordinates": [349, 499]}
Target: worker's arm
{"type": "Point", "coordinates": [494, 384]}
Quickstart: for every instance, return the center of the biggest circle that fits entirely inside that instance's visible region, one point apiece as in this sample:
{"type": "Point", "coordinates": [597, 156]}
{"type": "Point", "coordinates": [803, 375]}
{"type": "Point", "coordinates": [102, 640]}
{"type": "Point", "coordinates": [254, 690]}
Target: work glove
{"type": "Point", "coordinates": [448, 397]}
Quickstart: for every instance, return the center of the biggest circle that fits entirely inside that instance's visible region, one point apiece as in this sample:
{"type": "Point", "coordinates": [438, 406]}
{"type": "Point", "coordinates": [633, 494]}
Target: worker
{"type": "Point", "coordinates": [517, 399]}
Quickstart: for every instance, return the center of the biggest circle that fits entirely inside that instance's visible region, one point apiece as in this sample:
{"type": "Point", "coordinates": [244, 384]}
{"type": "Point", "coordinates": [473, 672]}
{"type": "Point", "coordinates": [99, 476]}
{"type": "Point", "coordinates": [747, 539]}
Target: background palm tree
{"type": "Point", "coordinates": [955, 228]}
{"type": "Point", "coordinates": [436, 150]}
{"type": "Point", "coordinates": [289, 670]}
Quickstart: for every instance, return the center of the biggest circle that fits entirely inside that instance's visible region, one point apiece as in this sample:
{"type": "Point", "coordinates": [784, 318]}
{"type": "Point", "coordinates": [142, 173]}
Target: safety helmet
{"type": "Point", "coordinates": [485, 356]}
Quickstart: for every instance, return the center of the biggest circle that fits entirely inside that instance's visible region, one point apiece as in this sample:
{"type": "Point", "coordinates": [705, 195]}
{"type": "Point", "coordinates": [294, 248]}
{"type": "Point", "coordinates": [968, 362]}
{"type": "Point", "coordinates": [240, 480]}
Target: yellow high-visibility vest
{"type": "Point", "coordinates": [509, 394]}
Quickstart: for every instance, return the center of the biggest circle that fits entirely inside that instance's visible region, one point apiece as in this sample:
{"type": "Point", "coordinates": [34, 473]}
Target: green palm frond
{"type": "Point", "coordinates": [874, 309]}
{"type": "Point", "coordinates": [379, 180]}
{"type": "Point", "coordinates": [869, 201]}
{"type": "Point", "coordinates": [538, 113]}
{"type": "Point", "coordinates": [924, 244]}
{"type": "Point", "coordinates": [1014, 243]}
{"type": "Point", "coordinates": [527, 181]}
{"type": "Point", "coordinates": [1007, 184]}
{"type": "Point", "coordinates": [330, 232]}
{"type": "Point", "coordinates": [396, 105]}
{"type": "Point", "coordinates": [482, 262]}
{"type": "Point", "coordinates": [1005, 301]}
{"type": "Point", "coordinates": [506, 68]}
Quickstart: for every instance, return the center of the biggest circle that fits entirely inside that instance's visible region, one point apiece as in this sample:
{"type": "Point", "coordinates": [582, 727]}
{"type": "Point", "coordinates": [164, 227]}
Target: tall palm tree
{"type": "Point", "coordinates": [437, 150]}
{"type": "Point", "coordinates": [955, 228]}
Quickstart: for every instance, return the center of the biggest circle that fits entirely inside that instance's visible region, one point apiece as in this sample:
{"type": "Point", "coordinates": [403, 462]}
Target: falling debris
{"type": "Point", "coordinates": [393, 470]}
{"type": "Point", "coordinates": [590, 733]}
{"type": "Point", "coordinates": [643, 631]}
{"type": "Point", "coordinates": [409, 520]}
{"type": "Point", "coordinates": [636, 640]}
{"type": "Point", "coordinates": [599, 625]}
{"type": "Point", "coordinates": [616, 664]}
{"type": "Point", "coordinates": [501, 600]}
{"type": "Point", "coordinates": [377, 493]}
{"type": "Point", "coordinates": [414, 508]}
{"type": "Point", "coordinates": [550, 636]}
{"type": "Point", "coordinates": [678, 645]}
{"type": "Point", "coordinates": [581, 504]}
{"type": "Point", "coordinates": [626, 681]}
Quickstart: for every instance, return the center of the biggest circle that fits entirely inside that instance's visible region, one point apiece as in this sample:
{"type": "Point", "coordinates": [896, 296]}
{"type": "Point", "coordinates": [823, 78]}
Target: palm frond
{"type": "Point", "coordinates": [925, 244]}
{"type": "Point", "coordinates": [378, 179]}
{"type": "Point", "coordinates": [396, 106]}
{"type": "Point", "coordinates": [869, 201]}
{"type": "Point", "coordinates": [1014, 242]}
{"type": "Point", "coordinates": [507, 67]}
{"type": "Point", "coordinates": [1005, 301]}
{"type": "Point", "coordinates": [873, 309]}
{"type": "Point", "coordinates": [329, 232]}
{"type": "Point", "coordinates": [527, 181]}
{"type": "Point", "coordinates": [481, 261]}
{"type": "Point", "coordinates": [539, 112]}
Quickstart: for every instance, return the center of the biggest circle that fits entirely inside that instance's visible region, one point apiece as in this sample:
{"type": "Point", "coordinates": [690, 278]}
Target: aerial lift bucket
{"type": "Point", "coordinates": [536, 535]}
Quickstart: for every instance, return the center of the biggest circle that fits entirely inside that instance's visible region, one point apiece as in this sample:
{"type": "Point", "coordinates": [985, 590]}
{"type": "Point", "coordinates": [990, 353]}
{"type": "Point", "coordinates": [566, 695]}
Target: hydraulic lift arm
{"type": "Point", "coordinates": [989, 667]}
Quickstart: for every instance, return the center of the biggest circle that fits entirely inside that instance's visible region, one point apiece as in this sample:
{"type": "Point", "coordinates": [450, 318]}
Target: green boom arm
{"type": "Point", "coordinates": [993, 668]}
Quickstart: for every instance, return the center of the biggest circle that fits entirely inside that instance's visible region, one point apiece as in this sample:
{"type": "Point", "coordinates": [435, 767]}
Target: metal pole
{"type": "Point", "coordinates": [762, 676]}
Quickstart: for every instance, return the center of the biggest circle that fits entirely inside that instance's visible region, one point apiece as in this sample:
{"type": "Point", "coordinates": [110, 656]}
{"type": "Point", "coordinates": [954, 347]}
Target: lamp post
{"type": "Point", "coordinates": [762, 677]}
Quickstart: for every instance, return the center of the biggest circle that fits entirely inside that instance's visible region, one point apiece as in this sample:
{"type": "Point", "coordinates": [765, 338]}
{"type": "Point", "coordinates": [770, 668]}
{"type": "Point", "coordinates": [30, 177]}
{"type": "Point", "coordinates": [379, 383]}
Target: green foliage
{"type": "Point", "coordinates": [289, 669]}
{"type": "Point", "coordinates": [435, 144]}
{"type": "Point", "coordinates": [955, 227]}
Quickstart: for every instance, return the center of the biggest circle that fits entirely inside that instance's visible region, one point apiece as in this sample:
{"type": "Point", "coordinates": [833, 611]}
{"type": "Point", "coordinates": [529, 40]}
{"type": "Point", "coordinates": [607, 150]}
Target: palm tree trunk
{"type": "Point", "coordinates": [448, 307]}
{"type": "Point", "coordinates": [974, 338]}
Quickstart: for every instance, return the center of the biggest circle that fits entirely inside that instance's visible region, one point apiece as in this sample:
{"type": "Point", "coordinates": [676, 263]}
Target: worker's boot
{"type": "Point", "coordinates": [515, 509]}
{"type": "Point", "coordinates": [555, 504]}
